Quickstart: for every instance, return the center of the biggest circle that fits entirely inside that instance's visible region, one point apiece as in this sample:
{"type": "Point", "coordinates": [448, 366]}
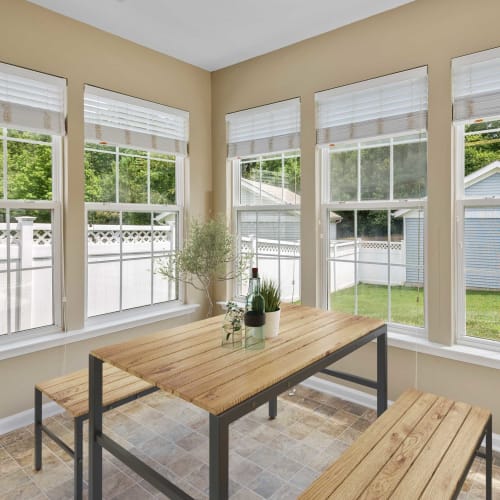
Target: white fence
{"type": "Point", "coordinates": [30, 276]}
{"type": "Point", "coordinates": [372, 259]}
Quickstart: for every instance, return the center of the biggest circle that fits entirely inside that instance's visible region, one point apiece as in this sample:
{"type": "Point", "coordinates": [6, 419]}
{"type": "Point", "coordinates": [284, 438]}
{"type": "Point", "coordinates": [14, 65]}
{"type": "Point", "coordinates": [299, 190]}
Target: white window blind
{"type": "Point", "coordinates": [32, 101]}
{"type": "Point", "coordinates": [381, 106]}
{"type": "Point", "coordinates": [127, 121]}
{"type": "Point", "coordinates": [476, 85]}
{"type": "Point", "coordinates": [266, 129]}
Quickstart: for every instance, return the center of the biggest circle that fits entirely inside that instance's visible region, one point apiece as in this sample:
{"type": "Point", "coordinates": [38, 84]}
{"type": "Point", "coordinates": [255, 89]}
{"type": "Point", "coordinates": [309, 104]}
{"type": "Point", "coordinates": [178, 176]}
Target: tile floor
{"type": "Point", "coordinates": [268, 459]}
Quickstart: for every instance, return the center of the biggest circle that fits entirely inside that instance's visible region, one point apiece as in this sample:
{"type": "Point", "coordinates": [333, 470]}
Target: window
{"type": "Point", "coordinates": [373, 150]}
{"type": "Point", "coordinates": [134, 159]}
{"type": "Point", "coordinates": [263, 149]}
{"type": "Point", "coordinates": [31, 125]}
{"type": "Point", "coordinates": [476, 115]}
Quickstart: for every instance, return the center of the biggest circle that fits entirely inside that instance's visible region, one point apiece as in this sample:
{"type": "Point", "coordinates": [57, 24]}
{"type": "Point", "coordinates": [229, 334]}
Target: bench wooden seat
{"type": "Point", "coordinates": [72, 393]}
{"type": "Point", "coordinates": [421, 447]}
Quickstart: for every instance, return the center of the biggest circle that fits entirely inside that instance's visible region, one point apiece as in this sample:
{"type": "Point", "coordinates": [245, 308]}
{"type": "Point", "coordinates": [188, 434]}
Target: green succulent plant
{"type": "Point", "coordinates": [271, 293]}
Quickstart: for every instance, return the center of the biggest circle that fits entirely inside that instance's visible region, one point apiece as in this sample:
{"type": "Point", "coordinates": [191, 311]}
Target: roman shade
{"type": "Point", "coordinates": [476, 85]}
{"type": "Point", "coordinates": [32, 101]}
{"type": "Point", "coordinates": [121, 120]}
{"type": "Point", "coordinates": [265, 129]}
{"type": "Point", "coordinates": [387, 105]}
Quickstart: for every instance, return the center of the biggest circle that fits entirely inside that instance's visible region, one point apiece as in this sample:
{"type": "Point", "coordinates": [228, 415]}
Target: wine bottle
{"type": "Point", "coordinates": [255, 316]}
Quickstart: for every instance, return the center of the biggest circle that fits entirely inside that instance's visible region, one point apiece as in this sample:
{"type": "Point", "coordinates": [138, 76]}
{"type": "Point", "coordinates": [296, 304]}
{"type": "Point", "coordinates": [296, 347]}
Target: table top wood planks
{"type": "Point", "coordinates": [189, 361]}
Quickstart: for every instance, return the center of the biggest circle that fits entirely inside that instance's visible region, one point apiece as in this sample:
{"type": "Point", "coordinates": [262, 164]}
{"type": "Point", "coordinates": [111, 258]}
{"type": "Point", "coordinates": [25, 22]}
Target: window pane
{"type": "Point", "coordinates": [270, 180]}
{"type": "Point", "coordinates": [375, 167]}
{"type": "Point", "coordinates": [481, 150]}
{"type": "Point", "coordinates": [342, 225]}
{"type": "Point", "coordinates": [410, 170]}
{"type": "Point", "coordinates": [165, 231]}
{"type": "Point", "coordinates": [103, 281]}
{"type": "Point", "coordinates": [372, 224]}
{"type": "Point", "coordinates": [100, 176]}
{"type": "Point", "coordinates": [366, 299]}
{"type": "Point", "coordinates": [344, 175]}
{"type": "Point", "coordinates": [292, 180]}
{"type": "Point", "coordinates": [250, 183]}
{"type": "Point", "coordinates": [27, 274]}
{"type": "Point", "coordinates": [273, 238]}
{"type": "Point", "coordinates": [482, 272]}
{"type": "Point", "coordinates": [29, 171]}
{"type": "Point", "coordinates": [137, 248]}
{"type": "Point", "coordinates": [133, 180]}
{"type": "Point", "coordinates": [407, 302]}
{"type": "Point", "coordinates": [162, 179]}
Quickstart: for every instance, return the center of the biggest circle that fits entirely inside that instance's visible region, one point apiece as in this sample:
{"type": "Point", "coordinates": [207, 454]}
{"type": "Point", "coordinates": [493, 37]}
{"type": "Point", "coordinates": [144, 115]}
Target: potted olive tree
{"type": "Point", "coordinates": [271, 293]}
{"type": "Point", "coordinates": [209, 254]}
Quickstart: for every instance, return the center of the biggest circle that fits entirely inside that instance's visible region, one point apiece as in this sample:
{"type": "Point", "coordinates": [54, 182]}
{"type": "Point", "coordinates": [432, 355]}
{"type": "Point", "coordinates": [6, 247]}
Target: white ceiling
{"type": "Point", "coordinates": [213, 34]}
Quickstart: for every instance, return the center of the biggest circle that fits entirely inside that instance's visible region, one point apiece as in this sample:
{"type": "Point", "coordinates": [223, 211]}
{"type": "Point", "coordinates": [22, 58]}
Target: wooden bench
{"type": "Point", "coordinates": [421, 447]}
{"type": "Point", "coordinates": [72, 393]}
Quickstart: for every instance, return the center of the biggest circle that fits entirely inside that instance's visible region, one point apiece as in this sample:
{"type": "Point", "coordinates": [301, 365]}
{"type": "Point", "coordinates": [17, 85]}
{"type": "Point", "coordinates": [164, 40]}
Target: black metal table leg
{"type": "Point", "coordinates": [78, 459]}
{"type": "Point", "coordinates": [38, 429]}
{"type": "Point", "coordinates": [382, 373]}
{"type": "Point", "coordinates": [489, 459]}
{"type": "Point", "coordinates": [95, 428]}
{"type": "Point", "coordinates": [219, 458]}
{"type": "Point", "coordinates": [273, 408]}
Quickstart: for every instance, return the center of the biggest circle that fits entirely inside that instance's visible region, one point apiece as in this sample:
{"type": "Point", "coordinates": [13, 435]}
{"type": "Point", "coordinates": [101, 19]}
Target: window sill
{"type": "Point", "coordinates": [26, 346]}
{"type": "Point", "coordinates": [464, 353]}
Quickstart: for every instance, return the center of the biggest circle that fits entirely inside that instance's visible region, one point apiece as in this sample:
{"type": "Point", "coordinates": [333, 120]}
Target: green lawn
{"type": "Point", "coordinates": [407, 307]}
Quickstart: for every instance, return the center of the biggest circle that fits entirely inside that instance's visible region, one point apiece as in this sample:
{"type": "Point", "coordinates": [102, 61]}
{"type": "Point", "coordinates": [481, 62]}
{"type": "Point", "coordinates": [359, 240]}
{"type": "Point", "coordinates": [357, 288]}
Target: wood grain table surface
{"type": "Point", "coordinates": [190, 362]}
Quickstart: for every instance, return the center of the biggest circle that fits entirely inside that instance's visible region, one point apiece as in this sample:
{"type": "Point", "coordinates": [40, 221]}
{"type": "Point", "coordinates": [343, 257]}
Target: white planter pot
{"type": "Point", "coordinates": [272, 325]}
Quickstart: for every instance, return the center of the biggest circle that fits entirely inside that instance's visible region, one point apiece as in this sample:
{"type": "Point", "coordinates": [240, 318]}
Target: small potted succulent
{"type": "Point", "coordinates": [271, 293]}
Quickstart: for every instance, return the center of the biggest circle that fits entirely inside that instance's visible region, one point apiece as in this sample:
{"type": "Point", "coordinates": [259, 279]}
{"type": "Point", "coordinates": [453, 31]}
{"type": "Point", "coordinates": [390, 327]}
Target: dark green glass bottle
{"type": "Point", "coordinates": [255, 316]}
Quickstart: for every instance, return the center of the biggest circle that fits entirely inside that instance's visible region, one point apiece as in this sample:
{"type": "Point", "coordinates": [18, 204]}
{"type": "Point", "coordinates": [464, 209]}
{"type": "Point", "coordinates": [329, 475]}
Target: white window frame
{"type": "Point", "coordinates": [55, 205]}
{"type": "Point", "coordinates": [178, 208]}
{"type": "Point", "coordinates": [323, 157]}
{"type": "Point", "coordinates": [238, 207]}
{"type": "Point", "coordinates": [461, 203]}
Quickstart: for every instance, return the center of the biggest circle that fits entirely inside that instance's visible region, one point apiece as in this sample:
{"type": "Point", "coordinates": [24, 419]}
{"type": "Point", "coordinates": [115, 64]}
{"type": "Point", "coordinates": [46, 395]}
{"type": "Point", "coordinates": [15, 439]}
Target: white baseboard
{"type": "Point", "coordinates": [27, 417]}
{"type": "Point", "coordinates": [361, 398]}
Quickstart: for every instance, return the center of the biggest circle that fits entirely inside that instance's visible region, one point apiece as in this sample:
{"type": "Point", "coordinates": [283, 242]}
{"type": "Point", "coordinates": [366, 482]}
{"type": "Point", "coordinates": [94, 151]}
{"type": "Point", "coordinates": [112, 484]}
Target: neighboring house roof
{"type": "Point", "coordinates": [270, 194]}
{"type": "Point", "coordinates": [470, 180]}
{"type": "Point", "coordinates": [482, 174]}
{"type": "Point", "coordinates": [273, 195]}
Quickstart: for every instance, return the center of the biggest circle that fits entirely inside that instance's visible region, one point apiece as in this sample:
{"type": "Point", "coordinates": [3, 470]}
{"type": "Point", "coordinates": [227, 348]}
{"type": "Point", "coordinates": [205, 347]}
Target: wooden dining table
{"type": "Point", "coordinates": [190, 362]}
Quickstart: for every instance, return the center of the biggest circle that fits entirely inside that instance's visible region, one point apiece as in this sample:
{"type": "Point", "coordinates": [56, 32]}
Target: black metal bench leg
{"type": "Point", "coordinates": [38, 429]}
{"type": "Point", "coordinates": [489, 459]}
{"type": "Point", "coordinates": [273, 408]}
{"type": "Point", "coordinates": [382, 373]}
{"type": "Point", "coordinates": [78, 459]}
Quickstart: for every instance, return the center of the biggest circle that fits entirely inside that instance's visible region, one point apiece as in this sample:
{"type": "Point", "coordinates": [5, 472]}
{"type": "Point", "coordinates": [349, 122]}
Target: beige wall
{"type": "Point", "coordinates": [41, 40]}
{"type": "Point", "coordinates": [425, 32]}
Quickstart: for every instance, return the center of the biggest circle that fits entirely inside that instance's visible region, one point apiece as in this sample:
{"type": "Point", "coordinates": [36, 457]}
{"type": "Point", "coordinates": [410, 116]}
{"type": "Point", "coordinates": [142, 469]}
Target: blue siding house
{"type": "Point", "coordinates": [481, 234]}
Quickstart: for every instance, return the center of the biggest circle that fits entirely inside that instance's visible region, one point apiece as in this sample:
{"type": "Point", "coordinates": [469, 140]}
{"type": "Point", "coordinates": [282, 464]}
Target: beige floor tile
{"type": "Point", "coordinates": [267, 458]}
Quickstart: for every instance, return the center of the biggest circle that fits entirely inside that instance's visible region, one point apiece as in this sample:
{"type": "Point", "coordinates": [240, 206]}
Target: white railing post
{"type": "Point", "coordinates": [24, 297]}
